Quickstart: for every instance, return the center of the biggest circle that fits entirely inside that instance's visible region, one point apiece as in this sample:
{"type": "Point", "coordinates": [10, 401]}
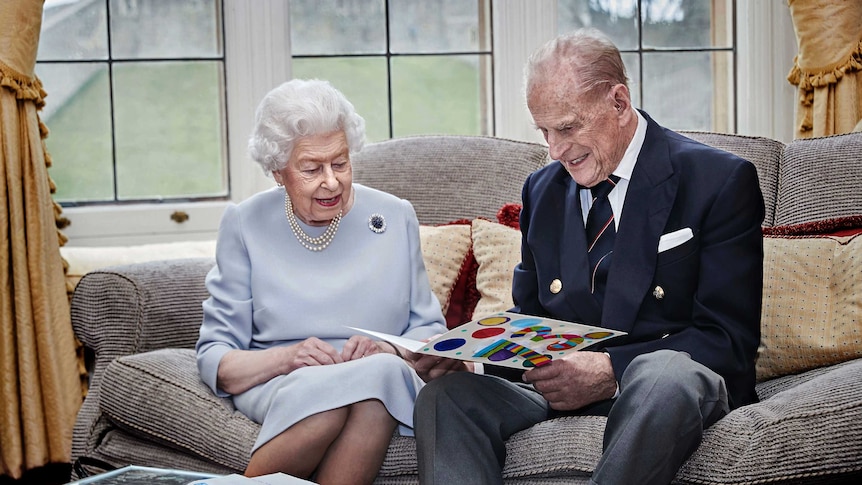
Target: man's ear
{"type": "Point", "coordinates": [620, 96]}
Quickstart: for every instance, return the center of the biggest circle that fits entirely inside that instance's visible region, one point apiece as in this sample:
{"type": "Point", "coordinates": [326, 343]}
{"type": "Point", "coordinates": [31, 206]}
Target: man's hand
{"type": "Point", "coordinates": [430, 367]}
{"type": "Point", "coordinates": [574, 381]}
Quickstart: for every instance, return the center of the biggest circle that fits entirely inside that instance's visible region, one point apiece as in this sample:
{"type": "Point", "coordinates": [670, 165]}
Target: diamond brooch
{"type": "Point", "coordinates": [377, 223]}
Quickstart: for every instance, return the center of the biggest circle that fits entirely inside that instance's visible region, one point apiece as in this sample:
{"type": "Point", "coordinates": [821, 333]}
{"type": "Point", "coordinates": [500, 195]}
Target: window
{"type": "Point", "coordinates": [136, 99]}
{"type": "Point", "coordinates": [409, 66]}
{"type": "Point", "coordinates": [673, 50]}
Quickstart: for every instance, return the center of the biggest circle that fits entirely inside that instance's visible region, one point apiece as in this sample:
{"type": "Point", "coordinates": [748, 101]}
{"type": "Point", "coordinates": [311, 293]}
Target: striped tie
{"type": "Point", "coordinates": [600, 236]}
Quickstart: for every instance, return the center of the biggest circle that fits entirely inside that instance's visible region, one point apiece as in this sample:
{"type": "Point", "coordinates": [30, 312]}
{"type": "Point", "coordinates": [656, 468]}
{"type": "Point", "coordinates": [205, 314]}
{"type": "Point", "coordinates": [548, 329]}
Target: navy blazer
{"type": "Point", "coordinates": [711, 284]}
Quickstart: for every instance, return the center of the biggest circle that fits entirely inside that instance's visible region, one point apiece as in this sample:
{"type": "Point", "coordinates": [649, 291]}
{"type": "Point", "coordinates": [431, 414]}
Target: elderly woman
{"type": "Point", "coordinates": [296, 266]}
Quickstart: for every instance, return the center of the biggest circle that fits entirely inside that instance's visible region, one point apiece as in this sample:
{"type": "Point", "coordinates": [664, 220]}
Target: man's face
{"type": "Point", "coordinates": [583, 133]}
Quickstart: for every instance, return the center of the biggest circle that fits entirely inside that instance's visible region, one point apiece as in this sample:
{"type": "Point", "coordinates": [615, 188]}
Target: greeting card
{"type": "Point", "coordinates": [508, 339]}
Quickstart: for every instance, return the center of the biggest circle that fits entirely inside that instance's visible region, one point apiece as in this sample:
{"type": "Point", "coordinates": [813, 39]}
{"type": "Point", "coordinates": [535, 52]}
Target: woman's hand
{"type": "Point", "coordinates": [359, 346]}
{"type": "Point", "coordinates": [240, 370]}
{"type": "Point", "coordinates": [311, 351]}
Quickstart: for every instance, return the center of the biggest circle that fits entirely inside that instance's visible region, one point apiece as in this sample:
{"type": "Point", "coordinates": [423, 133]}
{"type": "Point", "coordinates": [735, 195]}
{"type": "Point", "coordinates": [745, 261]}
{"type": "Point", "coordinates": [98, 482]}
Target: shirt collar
{"type": "Point", "coordinates": [630, 157]}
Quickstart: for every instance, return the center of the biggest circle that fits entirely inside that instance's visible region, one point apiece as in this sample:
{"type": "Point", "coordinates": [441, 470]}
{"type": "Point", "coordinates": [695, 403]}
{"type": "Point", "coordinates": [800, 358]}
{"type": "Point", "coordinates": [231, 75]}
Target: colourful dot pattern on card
{"type": "Point", "coordinates": [517, 341]}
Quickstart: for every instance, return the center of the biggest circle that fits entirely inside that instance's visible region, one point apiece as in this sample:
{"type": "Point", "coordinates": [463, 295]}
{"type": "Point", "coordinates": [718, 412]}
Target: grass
{"type": "Point", "coordinates": [167, 128]}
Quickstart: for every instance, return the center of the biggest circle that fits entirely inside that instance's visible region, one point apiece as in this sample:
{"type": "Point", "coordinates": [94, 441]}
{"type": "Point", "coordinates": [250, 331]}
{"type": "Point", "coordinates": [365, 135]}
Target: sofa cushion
{"type": "Point", "coordinates": [764, 153]}
{"type": "Point", "coordinates": [498, 250]}
{"type": "Point", "coordinates": [451, 177]}
{"type": "Point", "coordinates": [444, 249]}
{"type": "Point", "coordinates": [819, 419]}
{"type": "Point", "coordinates": [465, 296]}
{"type": "Point", "coordinates": [812, 303]}
{"type": "Point", "coordinates": [160, 396]}
{"type": "Point", "coordinates": [510, 215]}
{"type": "Point", "coordinates": [119, 448]}
{"type": "Point", "coordinates": [819, 179]}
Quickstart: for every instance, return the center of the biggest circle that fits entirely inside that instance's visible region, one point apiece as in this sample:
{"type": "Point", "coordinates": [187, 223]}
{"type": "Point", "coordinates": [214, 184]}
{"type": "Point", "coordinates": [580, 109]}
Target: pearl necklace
{"type": "Point", "coordinates": [315, 244]}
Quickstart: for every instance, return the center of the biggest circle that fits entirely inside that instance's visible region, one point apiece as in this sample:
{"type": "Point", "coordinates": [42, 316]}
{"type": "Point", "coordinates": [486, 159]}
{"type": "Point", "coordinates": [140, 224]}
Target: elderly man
{"type": "Point", "coordinates": [639, 229]}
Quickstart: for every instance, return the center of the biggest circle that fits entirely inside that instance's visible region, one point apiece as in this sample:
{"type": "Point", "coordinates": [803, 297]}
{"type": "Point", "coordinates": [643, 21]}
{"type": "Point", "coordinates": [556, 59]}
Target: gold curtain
{"type": "Point", "coordinates": [39, 381]}
{"type": "Point", "coordinates": [828, 67]}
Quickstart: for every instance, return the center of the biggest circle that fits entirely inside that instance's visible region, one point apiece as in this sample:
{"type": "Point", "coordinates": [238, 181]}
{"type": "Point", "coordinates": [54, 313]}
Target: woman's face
{"type": "Point", "coordinates": [318, 178]}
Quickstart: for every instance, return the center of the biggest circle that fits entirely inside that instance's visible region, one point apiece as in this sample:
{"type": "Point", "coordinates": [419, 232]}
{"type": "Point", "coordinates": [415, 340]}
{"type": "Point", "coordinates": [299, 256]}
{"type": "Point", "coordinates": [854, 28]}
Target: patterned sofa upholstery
{"type": "Point", "coordinates": [147, 406]}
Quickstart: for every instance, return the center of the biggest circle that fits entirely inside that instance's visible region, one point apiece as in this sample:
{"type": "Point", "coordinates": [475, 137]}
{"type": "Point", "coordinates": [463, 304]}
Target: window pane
{"type": "Point", "coordinates": [363, 82]}
{"type": "Point", "coordinates": [168, 129]}
{"type": "Point", "coordinates": [158, 29]}
{"type": "Point", "coordinates": [699, 84]}
{"type": "Point", "coordinates": [632, 63]}
{"type": "Point", "coordinates": [439, 94]}
{"type": "Point", "coordinates": [616, 18]}
{"type": "Point", "coordinates": [690, 23]}
{"type": "Point", "coordinates": [78, 115]}
{"type": "Point", "coordinates": [73, 29]}
{"type": "Point", "coordinates": [323, 27]}
{"type": "Point", "coordinates": [433, 26]}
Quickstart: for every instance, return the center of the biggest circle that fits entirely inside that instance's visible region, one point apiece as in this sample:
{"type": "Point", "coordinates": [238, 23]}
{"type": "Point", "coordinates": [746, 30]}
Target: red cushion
{"type": "Point", "coordinates": [839, 226]}
{"type": "Point", "coordinates": [509, 215]}
{"type": "Point", "coordinates": [464, 293]}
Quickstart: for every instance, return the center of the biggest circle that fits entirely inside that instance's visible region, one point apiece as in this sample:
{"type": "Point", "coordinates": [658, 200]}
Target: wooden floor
{"type": "Point", "coordinates": [56, 474]}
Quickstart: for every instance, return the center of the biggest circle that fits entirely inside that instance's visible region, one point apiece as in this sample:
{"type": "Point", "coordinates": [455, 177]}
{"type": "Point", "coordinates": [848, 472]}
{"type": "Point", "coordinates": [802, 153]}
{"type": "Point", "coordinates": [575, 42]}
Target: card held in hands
{"type": "Point", "coordinates": [507, 339]}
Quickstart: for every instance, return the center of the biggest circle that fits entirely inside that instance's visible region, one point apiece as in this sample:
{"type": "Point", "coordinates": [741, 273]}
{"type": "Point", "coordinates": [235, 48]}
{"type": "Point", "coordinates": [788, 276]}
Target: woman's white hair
{"type": "Point", "coordinates": [296, 109]}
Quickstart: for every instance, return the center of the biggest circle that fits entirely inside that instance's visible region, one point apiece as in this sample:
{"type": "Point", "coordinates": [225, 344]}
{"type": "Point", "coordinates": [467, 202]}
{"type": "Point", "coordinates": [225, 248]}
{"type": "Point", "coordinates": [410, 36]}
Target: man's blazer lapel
{"type": "Point", "coordinates": [649, 200]}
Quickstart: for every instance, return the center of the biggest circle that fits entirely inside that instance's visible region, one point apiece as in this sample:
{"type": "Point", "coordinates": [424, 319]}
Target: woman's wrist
{"type": "Point", "coordinates": [395, 348]}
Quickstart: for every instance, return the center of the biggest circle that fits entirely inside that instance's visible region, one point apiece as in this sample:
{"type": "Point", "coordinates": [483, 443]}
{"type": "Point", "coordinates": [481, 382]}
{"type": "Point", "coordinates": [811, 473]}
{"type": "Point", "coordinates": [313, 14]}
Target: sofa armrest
{"type": "Point", "coordinates": [129, 309]}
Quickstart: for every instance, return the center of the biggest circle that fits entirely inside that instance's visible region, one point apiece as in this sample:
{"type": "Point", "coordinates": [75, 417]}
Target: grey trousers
{"type": "Point", "coordinates": [666, 400]}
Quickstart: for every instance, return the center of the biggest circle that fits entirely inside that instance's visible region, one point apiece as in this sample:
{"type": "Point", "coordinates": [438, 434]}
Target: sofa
{"type": "Point", "coordinates": [138, 322]}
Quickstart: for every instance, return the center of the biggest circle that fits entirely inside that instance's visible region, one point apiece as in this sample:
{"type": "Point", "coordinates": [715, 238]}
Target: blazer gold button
{"type": "Point", "coordinates": [658, 292]}
{"type": "Point", "coordinates": [556, 286]}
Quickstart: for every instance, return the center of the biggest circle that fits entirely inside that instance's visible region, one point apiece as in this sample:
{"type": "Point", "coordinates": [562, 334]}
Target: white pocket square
{"type": "Point", "coordinates": [674, 239]}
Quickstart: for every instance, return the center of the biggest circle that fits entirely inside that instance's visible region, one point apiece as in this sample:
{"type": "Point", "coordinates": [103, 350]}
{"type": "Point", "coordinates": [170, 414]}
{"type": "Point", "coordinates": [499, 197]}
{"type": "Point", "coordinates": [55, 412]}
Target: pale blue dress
{"type": "Point", "coordinates": [267, 290]}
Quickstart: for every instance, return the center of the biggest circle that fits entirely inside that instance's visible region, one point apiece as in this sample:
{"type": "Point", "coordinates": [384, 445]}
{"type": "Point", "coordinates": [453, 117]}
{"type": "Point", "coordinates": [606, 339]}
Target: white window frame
{"type": "Point", "coordinates": [257, 57]}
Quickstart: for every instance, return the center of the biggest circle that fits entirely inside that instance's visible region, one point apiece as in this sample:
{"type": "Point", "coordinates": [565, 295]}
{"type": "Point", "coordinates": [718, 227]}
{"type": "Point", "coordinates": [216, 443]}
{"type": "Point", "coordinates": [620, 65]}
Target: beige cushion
{"type": "Point", "coordinates": [82, 260]}
{"type": "Point", "coordinates": [443, 250]}
{"type": "Point", "coordinates": [812, 303]}
{"type": "Point", "coordinates": [497, 249]}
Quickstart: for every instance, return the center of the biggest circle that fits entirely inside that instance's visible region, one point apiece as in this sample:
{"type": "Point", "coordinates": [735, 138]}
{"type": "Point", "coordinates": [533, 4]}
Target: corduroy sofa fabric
{"type": "Point", "coordinates": [764, 153]}
{"type": "Point", "coordinates": [819, 178]}
{"type": "Point", "coordinates": [450, 177]}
